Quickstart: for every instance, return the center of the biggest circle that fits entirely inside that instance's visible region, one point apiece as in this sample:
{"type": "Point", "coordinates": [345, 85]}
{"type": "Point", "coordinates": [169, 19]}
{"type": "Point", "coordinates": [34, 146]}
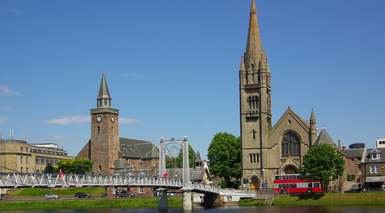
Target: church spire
{"type": "Point", "coordinates": [104, 97]}
{"type": "Point", "coordinates": [312, 117]}
{"type": "Point", "coordinates": [254, 44]}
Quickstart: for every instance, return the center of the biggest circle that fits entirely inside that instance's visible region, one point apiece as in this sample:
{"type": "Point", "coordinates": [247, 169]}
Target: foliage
{"type": "Point", "coordinates": [49, 169]}
{"type": "Point", "coordinates": [224, 155]}
{"type": "Point", "coordinates": [177, 162]}
{"type": "Point", "coordinates": [324, 163]}
{"type": "Point", "coordinates": [76, 166]}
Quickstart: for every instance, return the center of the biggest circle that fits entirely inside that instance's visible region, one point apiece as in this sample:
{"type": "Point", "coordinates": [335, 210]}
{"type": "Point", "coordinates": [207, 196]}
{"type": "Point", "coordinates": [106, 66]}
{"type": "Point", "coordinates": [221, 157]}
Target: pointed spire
{"type": "Point", "coordinates": [312, 117]}
{"type": "Point", "coordinates": [104, 97]}
{"type": "Point", "coordinates": [254, 46]}
{"type": "Point", "coordinates": [242, 64]}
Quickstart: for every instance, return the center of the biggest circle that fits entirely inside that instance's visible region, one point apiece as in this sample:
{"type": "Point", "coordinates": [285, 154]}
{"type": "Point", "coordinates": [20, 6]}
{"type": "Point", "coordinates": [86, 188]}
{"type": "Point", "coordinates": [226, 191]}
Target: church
{"type": "Point", "coordinates": [268, 149]}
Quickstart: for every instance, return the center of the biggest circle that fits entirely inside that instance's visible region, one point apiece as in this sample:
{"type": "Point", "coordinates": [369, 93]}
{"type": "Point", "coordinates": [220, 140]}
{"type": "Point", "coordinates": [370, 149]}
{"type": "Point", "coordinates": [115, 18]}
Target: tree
{"type": "Point", "coordinates": [75, 166]}
{"type": "Point", "coordinates": [224, 155]}
{"type": "Point", "coordinates": [49, 169]}
{"type": "Point", "coordinates": [324, 163]}
{"type": "Point", "coordinates": [177, 162]}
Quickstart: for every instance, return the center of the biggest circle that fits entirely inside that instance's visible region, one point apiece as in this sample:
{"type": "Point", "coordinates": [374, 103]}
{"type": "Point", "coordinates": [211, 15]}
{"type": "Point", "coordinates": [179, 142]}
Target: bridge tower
{"type": "Point", "coordinates": [186, 179]}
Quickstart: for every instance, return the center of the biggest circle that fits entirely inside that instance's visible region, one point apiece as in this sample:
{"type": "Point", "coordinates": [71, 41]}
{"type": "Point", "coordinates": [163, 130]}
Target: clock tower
{"type": "Point", "coordinates": [104, 147]}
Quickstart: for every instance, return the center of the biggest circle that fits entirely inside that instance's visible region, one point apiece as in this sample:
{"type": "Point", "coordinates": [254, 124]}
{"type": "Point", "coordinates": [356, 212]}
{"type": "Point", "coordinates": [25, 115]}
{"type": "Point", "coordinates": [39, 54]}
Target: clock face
{"type": "Point", "coordinates": [113, 119]}
{"type": "Point", "coordinates": [99, 118]}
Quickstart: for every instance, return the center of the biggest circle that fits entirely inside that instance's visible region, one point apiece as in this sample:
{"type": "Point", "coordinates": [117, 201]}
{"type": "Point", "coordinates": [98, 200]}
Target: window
{"type": "Point", "coordinates": [290, 145]}
{"type": "Point", "coordinates": [373, 169]}
{"type": "Point", "coordinates": [375, 156]}
{"type": "Point", "coordinates": [141, 190]}
{"type": "Point", "coordinates": [253, 102]}
{"type": "Point", "coordinates": [21, 159]}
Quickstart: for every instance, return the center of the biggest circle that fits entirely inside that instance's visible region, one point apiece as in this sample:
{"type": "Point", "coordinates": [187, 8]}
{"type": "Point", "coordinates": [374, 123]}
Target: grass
{"type": "Point", "coordinates": [93, 191]}
{"type": "Point", "coordinates": [251, 202]}
{"type": "Point", "coordinates": [333, 199]}
{"type": "Point", "coordinates": [88, 204]}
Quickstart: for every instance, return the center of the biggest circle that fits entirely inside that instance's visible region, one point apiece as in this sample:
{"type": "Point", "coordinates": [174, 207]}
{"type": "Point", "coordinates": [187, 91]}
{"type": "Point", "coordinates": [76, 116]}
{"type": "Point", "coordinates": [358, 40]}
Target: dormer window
{"type": "Point", "coordinates": [375, 154]}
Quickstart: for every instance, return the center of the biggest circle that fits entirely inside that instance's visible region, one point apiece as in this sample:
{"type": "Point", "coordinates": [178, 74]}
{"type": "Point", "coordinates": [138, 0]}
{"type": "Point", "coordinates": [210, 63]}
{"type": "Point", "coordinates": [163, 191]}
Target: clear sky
{"type": "Point", "coordinates": [172, 66]}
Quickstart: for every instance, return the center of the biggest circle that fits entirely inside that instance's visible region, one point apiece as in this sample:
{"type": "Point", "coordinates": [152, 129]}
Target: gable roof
{"type": "Point", "coordinates": [132, 148]}
{"type": "Point", "coordinates": [354, 153]}
{"type": "Point", "coordinates": [324, 138]}
{"type": "Point", "coordinates": [288, 112]}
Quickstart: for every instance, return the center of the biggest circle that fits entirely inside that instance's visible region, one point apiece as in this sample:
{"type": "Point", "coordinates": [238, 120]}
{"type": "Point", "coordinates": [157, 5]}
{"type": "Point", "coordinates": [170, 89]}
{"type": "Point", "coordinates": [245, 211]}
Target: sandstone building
{"type": "Point", "coordinates": [19, 156]}
{"type": "Point", "coordinates": [267, 149]}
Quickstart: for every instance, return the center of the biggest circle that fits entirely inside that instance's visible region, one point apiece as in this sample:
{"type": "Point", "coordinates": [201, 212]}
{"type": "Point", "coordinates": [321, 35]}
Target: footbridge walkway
{"type": "Point", "coordinates": [17, 180]}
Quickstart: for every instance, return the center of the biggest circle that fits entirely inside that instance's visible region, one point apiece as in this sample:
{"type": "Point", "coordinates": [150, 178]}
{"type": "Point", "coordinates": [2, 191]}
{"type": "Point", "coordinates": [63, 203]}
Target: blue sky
{"type": "Point", "coordinates": [172, 66]}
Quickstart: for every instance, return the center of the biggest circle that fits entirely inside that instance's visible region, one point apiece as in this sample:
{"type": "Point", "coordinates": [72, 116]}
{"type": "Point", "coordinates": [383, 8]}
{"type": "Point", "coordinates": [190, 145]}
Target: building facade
{"type": "Point", "coordinates": [22, 157]}
{"type": "Point", "coordinates": [103, 148]}
{"type": "Point", "coordinates": [109, 153]}
{"type": "Point", "coordinates": [267, 149]}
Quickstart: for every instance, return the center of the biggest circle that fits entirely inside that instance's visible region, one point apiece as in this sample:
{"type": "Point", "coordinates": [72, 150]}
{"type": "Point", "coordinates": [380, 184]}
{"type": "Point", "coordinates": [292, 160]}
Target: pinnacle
{"type": "Point", "coordinates": [103, 89]}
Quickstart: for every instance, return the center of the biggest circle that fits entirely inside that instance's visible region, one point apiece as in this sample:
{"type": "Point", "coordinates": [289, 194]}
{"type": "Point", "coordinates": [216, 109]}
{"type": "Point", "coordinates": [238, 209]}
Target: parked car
{"type": "Point", "coordinates": [51, 196]}
{"type": "Point", "coordinates": [170, 194]}
{"type": "Point", "coordinates": [81, 195]}
{"type": "Point", "coordinates": [124, 194]}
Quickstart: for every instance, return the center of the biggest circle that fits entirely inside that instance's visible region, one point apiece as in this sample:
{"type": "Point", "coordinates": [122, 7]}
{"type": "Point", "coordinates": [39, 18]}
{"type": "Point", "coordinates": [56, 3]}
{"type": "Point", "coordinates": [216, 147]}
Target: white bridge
{"type": "Point", "coordinates": [161, 182]}
{"type": "Point", "coordinates": [52, 181]}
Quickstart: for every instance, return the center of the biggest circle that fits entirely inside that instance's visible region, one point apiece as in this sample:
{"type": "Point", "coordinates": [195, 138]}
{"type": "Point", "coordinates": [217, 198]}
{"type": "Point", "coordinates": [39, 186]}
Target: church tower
{"type": "Point", "coordinates": [255, 105]}
{"type": "Point", "coordinates": [104, 146]}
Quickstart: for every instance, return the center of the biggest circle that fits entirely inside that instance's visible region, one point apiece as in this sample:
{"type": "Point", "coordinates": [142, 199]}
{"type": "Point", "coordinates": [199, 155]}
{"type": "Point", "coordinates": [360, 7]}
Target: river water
{"type": "Point", "coordinates": [231, 210]}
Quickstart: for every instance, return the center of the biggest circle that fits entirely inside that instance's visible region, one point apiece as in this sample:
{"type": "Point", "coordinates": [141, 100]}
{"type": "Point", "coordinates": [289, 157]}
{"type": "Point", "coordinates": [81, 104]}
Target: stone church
{"type": "Point", "coordinates": [267, 149]}
{"type": "Point", "coordinates": [109, 153]}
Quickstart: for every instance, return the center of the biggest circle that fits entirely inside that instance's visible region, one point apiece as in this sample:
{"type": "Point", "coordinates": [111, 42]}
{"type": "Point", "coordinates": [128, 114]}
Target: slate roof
{"type": "Point", "coordinates": [103, 89]}
{"type": "Point", "coordinates": [324, 138]}
{"type": "Point", "coordinates": [132, 148]}
{"type": "Point", "coordinates": [372, 150]}
{"type": "Point", "coordinates": [353, 153]}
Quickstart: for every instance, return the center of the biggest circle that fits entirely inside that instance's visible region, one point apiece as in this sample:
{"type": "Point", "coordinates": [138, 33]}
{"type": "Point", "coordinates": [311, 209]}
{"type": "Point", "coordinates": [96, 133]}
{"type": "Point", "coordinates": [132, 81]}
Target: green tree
{"type": "Point", "coordinates": [49, 169]}
{"type": "Point", "coordinates": [76, 166]}
{"type": "Point", "coordinates": [224, 155]}
{"type": "Point", "coordinates": [177, 162]}
{"type": "Point", "coordinates": [323, 162]}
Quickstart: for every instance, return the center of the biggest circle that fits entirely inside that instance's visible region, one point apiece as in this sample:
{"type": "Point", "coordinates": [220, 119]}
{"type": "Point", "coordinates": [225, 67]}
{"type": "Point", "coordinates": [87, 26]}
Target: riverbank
{"type": "Point", "coordinates": [132, 203]}
{"type": "Point", "coordinates": [93, 191]}
{"type": "Point", "coordinates": [329, 199]}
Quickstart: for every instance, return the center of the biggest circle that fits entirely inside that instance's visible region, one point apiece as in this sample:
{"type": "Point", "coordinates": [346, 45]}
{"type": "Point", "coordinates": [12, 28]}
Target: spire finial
{"type": "Point", "coordinates": [312, 116]}
{"type": "Point", "coordinates": [254, 46]}
{"type": "Point", "coordinates": [104, 97]}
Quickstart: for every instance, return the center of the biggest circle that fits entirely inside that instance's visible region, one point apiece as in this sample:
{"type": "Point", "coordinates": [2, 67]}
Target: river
{"type": "Point", "coordinates": [230, 210]}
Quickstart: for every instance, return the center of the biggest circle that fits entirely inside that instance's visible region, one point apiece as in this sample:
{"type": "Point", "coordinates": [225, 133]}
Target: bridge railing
{"type": "Point", "coordinates": [16, 180]}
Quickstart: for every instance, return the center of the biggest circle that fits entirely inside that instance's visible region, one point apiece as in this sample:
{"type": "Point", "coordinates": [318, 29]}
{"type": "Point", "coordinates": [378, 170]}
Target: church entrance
{"type": "Point", "coordinates": [290, 169]}
{"type": "Point", "coordinates": [255, 183]}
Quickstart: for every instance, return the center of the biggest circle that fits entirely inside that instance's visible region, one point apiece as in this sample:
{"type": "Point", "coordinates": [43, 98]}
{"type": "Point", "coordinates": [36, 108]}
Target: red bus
{"type": "Point", "coordinates": [294, 184]}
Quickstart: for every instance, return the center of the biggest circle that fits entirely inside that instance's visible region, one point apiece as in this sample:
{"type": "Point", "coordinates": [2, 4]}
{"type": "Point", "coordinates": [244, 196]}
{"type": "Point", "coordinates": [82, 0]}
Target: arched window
{"type": "Point", "coordinates": [290, 145]}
